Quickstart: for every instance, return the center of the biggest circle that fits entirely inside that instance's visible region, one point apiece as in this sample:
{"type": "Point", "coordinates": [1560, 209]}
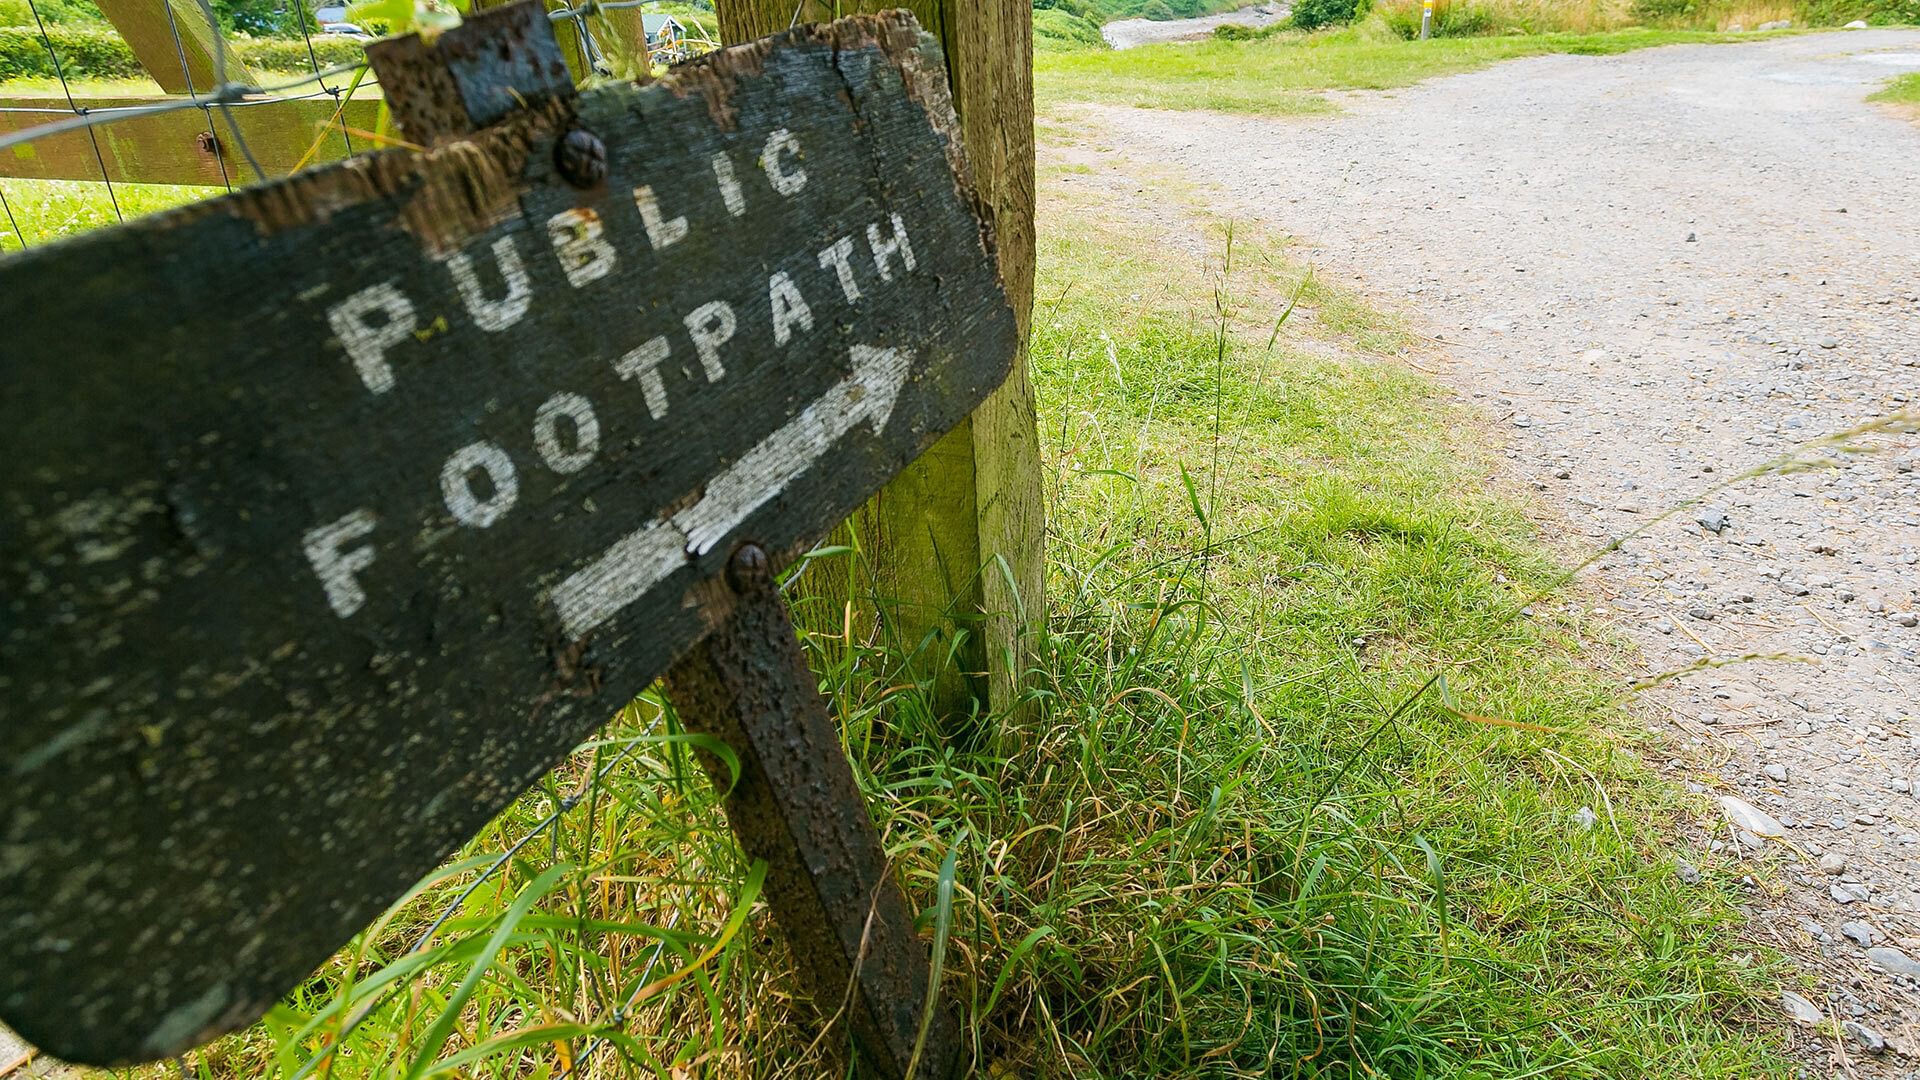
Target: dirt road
{"type": "Point", "coordinates": [1656, 271]}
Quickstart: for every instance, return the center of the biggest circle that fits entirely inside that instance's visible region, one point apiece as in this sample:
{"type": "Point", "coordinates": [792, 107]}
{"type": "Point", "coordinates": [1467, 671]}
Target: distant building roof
{"type": "Point", "coordinates": [656, 23]}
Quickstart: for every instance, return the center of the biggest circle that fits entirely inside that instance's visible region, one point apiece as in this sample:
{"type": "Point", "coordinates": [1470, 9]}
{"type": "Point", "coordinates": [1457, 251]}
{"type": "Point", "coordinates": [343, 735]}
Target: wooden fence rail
{"type": "Point", "coordinates": [180, 147]}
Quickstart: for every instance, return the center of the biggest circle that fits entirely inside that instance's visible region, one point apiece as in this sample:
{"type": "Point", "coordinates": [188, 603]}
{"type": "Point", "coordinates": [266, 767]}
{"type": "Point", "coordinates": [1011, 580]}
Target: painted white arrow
{"type": "Point", "coordinates": [643, 558]}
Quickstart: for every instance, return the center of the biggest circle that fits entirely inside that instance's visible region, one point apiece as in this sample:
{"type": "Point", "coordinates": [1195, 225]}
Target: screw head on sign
{"type": "Point", "coordinates": [581, 158]}
{"type": "Point", "coordinates": [749, 567]}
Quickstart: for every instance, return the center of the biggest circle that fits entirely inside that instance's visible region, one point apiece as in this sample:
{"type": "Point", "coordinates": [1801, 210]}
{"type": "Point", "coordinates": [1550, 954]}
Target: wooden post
{"type": "Point", "coordinates": [797, 806]}
{"type": "Point", "coordinates": [174, 42]}
{"type": "Point", "coordinates": [935, 536]}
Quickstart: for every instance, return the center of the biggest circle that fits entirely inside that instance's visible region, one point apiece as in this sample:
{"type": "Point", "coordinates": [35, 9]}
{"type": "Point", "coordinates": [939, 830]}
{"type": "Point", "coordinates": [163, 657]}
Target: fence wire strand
{"type": "Point", "coordinates": [186, 74]}
{"type": "Point", "coordinates": [239, 94]}
{"type": "Point", "coordinates": [60, 73]}
{"type": "Point", "coordinates": [220, 77]}
{"type": "Point", "coordinates": [12, 222]}
{"type": "Point", "coordinates": [313, 62]}
{"type": "Point", "coordinates": [242, 94]}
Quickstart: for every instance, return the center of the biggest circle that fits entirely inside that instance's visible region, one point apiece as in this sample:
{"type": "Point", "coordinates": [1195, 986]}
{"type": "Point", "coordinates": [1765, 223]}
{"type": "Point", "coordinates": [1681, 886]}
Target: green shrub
{"type": "Point", "coordinates": [1055, 30]}
{"type": "Point", "coordinates": [83, 52]}
{"type": "Point", "coordinates": [1450, 19]}
{"type": "Point", "coordinates": [1079, 9]}
{"type": "Point", "coordinates": [290, 54]}
{"type": "Point", "coordinates": [54, 12]}
{"type": "Point", "coordinates": [101, 54]}
{"type": "Point", "coordinates": [1666, 12]}
{"type": "Point", "coordinates": [1877, 12]}
{"type": "Point", "coordinates": [1314, 14]}
{"type": "Point", "coordinates": [263, 17]}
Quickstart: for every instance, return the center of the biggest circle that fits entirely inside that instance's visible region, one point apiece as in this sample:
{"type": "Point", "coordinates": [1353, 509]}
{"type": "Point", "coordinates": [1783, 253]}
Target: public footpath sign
{"type": "Point", "coordinates": [338, 510]}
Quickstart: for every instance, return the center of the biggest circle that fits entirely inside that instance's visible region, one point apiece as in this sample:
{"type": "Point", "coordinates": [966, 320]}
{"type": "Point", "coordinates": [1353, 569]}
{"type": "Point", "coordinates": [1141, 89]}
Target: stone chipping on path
{"type": "Point", "coordinates": [1655, 272]}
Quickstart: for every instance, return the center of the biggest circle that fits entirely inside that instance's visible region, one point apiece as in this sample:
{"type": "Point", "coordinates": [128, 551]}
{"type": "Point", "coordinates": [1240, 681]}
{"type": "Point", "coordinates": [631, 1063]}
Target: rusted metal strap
{"type": "Point", "coordinates": [796, 805]}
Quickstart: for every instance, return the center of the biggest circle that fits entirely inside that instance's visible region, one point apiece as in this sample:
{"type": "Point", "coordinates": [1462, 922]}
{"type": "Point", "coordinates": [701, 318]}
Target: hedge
{"type": "Point", "coordinates": [83, 53]}
{"type": "Point", "coordinates": [101, 54]}
{"type": "Point", "coordinates": [290, 54]}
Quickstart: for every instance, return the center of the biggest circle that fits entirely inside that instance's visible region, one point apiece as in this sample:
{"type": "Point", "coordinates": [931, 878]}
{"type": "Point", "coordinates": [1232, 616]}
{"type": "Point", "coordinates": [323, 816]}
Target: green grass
{"type": "Point", "coordinates": [92, 87]}
{"type": "Point", "coordinates": [1336, 547]}
{"type": "Point", "coordinates": [1214, 843]}
{"type": "Point", "coordinates": [1903, 90]}
{"type": "Point", "coordinates": [83, 87]}
{"type": "Point", "coordinates": [46, 210]}
{"type": "Point", "coordinates": [1284, 73]}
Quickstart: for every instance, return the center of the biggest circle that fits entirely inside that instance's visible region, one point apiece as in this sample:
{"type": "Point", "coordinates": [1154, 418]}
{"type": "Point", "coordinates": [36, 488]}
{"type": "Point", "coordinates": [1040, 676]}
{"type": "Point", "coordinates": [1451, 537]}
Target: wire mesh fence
{"type": "Point", "coordinates": [235, 93]}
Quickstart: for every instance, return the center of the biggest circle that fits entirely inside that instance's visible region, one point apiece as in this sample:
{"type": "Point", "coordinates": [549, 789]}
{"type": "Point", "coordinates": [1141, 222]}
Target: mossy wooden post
{"type": "Point", "coordinates": [174, 42]}
{"type": "Point", "coordinates": [935, 538]}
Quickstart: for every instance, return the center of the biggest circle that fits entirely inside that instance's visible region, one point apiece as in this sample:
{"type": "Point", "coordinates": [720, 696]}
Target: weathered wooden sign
{"type": "Point", "coordinates": [339, 509]}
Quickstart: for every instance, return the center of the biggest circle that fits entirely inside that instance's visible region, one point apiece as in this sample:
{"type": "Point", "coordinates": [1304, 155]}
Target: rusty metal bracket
{"type": "Point", "coordinates": [796, 805]}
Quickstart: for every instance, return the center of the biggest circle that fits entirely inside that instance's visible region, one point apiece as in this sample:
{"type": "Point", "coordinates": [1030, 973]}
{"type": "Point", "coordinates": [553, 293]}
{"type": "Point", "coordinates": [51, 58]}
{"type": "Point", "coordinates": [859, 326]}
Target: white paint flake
{"type": "Point", "coordinates": [456, 484]}
{"type": "Point", "coordinates": [885, 250]}
{"type": "Point", "coordinates": [586, 433]}
{"type": "Point", "coordinates": [366, 343]}
{"type": "Point", "coordinates": [788, 180]}
{"type": "Point", "coordinates": [488, 314]}
{"type": "Point", "coordinates": [336, 564]}
{"type": "Point", "coordinates": [789, 308]}
{"type": "Point", "coordinates": [579, 244]}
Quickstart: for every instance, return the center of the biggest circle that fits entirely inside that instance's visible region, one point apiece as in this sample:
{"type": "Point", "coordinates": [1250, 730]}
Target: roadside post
{"type": "Point", "coordinates": [308, 584]}
{"type": "Point", "coordinates": [952, 552]}
{"type": "Point", "coordinates": [1426, 19]}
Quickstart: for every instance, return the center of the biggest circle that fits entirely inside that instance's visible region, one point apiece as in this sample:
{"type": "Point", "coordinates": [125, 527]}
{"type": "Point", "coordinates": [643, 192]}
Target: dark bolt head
{"type": "Point", "coordinates": [749, 568]}
{"type": "Point", "coordinates": [581, 158]}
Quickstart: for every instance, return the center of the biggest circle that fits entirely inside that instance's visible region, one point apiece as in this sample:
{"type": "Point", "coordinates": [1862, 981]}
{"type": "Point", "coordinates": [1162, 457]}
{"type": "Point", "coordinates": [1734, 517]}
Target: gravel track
{"type": "Point", "coordinates": [1656, 271]}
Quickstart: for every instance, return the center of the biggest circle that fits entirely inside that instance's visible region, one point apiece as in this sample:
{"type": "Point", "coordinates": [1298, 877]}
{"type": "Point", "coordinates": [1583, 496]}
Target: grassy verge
{"type": "Point", "coordinates": [1285, 73]}
{"type": "Point", "coordinates": [1422, 878]}
{"type": "Point", "coordinates": [1216, 844]}
{"type": "Point", "coordinates": [42, 211]}
{"type": "Point", "coordinates": [1903, 93]}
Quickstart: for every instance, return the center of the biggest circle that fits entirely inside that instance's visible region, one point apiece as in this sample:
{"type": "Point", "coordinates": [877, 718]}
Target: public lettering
{"type": "Point", "coordinates": [488, 314]}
